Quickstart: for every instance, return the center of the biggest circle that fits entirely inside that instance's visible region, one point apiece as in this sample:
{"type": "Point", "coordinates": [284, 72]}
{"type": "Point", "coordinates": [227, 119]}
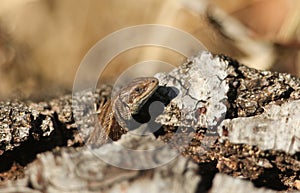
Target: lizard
{"type": "Point", "coordinates": [114, 115]}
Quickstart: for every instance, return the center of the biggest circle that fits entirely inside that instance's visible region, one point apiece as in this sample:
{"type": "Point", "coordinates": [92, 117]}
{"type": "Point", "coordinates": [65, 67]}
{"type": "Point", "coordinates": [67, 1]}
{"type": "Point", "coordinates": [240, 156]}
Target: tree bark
{"type": "Point", "coordinates": [214, 114]}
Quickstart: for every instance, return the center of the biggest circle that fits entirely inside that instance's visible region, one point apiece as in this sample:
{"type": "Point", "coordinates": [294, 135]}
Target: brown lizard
{"type": "Point", "coordinates": [115, 113]}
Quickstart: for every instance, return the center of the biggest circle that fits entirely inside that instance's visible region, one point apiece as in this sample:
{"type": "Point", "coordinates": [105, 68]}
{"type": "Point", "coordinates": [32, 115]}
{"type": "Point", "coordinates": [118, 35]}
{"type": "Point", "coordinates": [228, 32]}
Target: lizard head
{"type": "Point", "coordinates": [137, 92]}
{"type": "Point", "coordinates": [130, 99]}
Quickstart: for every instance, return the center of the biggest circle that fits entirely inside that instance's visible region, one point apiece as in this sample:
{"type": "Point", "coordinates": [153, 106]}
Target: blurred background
{"type": "Point", "coordinates": [42, 42]}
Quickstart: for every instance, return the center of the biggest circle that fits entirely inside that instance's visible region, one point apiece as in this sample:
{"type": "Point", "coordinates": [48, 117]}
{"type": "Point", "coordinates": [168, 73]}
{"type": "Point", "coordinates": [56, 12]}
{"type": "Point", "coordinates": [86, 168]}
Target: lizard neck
{"type": "Point", "coordinates": [121, 112]}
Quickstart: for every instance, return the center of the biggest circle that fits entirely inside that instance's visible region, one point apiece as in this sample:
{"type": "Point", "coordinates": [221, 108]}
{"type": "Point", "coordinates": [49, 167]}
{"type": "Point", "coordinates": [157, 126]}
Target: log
{"type": "Point", "coordinates": [212, 113]}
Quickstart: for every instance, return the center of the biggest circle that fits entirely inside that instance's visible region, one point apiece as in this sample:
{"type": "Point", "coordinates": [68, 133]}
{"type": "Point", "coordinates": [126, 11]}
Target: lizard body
{"type": "Point", "coordinates": [115, 113]}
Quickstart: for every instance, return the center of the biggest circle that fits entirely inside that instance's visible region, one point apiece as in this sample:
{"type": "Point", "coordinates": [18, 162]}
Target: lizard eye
{"type": "Point", "coordinates": [138, 89]}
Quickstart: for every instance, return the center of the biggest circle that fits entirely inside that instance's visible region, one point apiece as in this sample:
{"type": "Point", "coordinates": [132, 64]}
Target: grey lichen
{"type": "Point", "coordinates": [47, 126]}
{"type": "Point", "coordinates": [15, 124]}
{"type": "Point", "coordinates": [201, 93]}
